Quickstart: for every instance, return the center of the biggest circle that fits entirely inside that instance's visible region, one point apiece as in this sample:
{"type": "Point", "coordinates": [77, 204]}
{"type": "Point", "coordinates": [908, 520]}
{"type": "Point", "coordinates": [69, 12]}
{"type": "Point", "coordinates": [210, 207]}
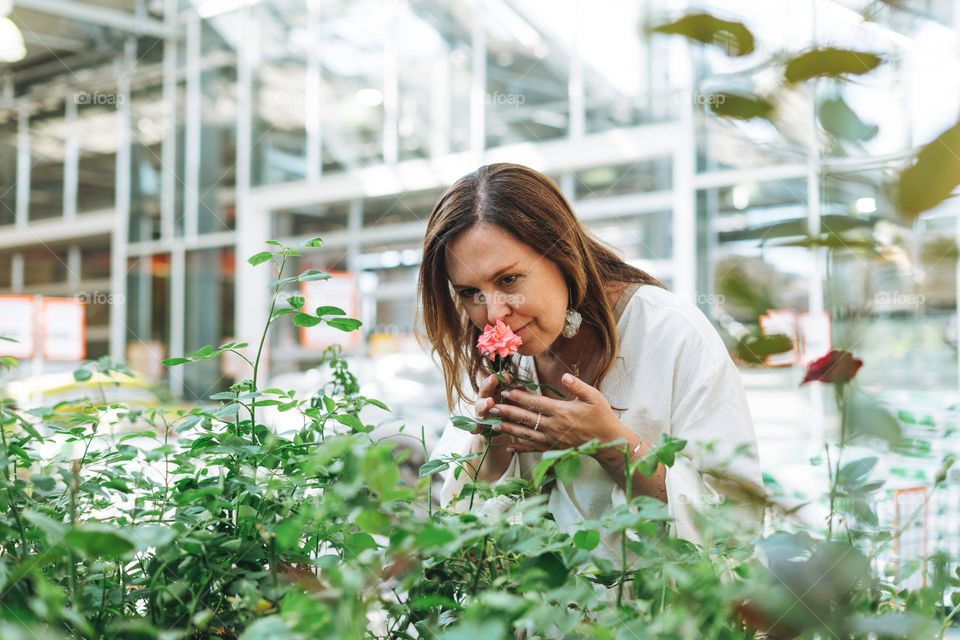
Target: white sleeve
{"type": "Point", "coordinates": [719, 463]}
{"type": "Point", "coordinates": [454, 440]}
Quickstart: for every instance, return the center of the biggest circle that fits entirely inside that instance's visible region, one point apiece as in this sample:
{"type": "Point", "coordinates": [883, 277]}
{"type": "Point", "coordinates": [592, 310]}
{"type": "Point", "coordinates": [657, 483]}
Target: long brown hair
{"type": "Point", "coordinates": [530, 207]}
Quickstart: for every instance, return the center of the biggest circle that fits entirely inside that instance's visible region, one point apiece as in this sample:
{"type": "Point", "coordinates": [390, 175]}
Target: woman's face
{"type": "Point", "coordinates": [497, 277]}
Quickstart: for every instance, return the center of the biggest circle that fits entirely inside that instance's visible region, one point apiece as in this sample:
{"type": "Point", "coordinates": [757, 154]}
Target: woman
{"type": "Point", "coordinates": [632, 360]}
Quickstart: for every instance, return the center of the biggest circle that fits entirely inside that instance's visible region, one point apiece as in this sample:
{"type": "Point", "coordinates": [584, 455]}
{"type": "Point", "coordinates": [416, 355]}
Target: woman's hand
{"type": "Point", "coordinates": [563, 424]}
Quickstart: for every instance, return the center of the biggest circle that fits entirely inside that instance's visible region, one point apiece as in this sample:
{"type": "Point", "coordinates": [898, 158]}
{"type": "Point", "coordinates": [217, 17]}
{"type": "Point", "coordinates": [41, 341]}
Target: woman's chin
{"type": "Point", "coordinates": [529, 350]}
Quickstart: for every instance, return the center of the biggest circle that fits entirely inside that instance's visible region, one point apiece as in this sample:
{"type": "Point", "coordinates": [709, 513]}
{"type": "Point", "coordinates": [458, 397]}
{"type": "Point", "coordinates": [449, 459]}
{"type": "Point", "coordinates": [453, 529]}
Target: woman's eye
{"type": "Point", "coordinates": [511, 279]}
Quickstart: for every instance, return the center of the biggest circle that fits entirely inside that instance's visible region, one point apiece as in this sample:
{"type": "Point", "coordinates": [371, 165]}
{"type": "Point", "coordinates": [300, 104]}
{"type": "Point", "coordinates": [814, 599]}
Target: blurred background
{"type": "Point", "coordinates": [147, 148]}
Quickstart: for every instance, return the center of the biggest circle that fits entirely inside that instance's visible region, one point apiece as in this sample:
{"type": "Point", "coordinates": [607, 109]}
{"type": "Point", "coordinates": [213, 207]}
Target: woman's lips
{"type": "Point", "coordinates": [520, 330]}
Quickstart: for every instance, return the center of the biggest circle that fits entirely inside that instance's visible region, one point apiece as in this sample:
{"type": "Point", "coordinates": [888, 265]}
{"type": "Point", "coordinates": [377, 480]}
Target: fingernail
{"type": "Point", "coordinates": [494, 411]}
{"type": "Point", "coordinates": [511, 450]}
{"type": "Point", "coordinates": [496, 427]}
{"type": "Point", "coordinates": [505, 394]}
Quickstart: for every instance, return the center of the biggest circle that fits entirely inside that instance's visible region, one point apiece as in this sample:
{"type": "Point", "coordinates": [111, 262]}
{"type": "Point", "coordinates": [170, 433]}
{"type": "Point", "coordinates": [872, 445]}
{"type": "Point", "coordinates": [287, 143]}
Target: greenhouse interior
{"type": "Point", "coordinates": [479, 319]}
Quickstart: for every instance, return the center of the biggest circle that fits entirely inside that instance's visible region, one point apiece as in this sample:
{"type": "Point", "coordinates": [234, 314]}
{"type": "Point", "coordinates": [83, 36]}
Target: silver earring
{"type": "Point", "coordinates": [571, 321]}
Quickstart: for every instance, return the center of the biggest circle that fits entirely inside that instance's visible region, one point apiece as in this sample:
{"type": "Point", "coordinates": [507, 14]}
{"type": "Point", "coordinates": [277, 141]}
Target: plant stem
{"type": "Point", "coordinates": [483, 555]}
{"type": "Point", "coordinates": [13, 502]}
{"type": "Point", "coordinates": [256, 362]}
{"type": "Point", "coordinates": [473, 491]}
{"type": "Point", "coordinates": [74, 487]}
{"type": "Point", "coordinates": [623, 534]}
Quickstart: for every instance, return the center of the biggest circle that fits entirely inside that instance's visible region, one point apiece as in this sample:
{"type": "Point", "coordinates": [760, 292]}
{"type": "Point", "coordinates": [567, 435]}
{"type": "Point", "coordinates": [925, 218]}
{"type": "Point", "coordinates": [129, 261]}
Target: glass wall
{"type": "Point", "coordinates": [280, 91]}
{"type": "Point", "coordinates": [148, 312]}
{"type": "Point", "coordinates": [147, 130]}
{"type": "Point", "coordinates": [47, 147]}
{"type": "Point", "coordinates": [529, 46]}
{"type": "Point", "coordinates": [434, 54]}
{"type": "Point", "coordinates": [8, 167]}
{"type": "Point", "coordinates": [208, 308]}
{"type": "Point", "coordinates": [746, 251]}
{"type": "Point", "coordinates": [351, 94]}
{"type": "Point", "coordinates": [96, 128]}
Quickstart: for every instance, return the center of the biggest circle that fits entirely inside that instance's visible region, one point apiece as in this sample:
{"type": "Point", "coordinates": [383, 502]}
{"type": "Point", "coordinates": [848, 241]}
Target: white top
{"type": "Point", "coordinates": [673, 375]}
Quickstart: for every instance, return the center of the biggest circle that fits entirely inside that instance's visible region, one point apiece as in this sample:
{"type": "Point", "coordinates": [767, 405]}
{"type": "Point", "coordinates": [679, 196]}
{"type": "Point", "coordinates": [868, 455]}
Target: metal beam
{"type": "Point", "coordinates": [101, 16]}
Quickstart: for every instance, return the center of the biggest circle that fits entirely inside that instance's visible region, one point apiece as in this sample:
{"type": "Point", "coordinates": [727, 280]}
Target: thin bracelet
{"type": "Point", "coordinates": [632, 453]}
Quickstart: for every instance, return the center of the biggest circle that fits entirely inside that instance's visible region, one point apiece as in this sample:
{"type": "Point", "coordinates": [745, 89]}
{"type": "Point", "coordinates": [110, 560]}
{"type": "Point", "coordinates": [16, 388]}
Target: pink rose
{"type": "Point", "coordinates": [498, 341]}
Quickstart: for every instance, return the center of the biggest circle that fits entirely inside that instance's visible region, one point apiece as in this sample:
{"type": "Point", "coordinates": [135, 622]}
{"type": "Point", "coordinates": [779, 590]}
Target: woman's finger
{"type": "Point", "coordinates": [520, 431]}
{"type": "Point", "coordinates": [522, 446]}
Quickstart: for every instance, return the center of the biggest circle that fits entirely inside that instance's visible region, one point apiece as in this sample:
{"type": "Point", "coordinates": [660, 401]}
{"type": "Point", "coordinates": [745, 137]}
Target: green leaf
{"type": "Point", "coordinates": [373, 522]}
{"type": "Point", "coordinates": [733, 37]}
{"type": "Point", "coordinates": [82, 375]}
{"type": "Point", "coordinates": [932, 177]}
{"type": "Point", "coordinates": [738, 106]}
{"type": "Point", "coordinates": [313, 243]}
{"type": "Point", "coordinates": [43, 484]}
{"type": "Point", "coordinates": [344, 324]}
{"type": "Point", "coordinates": [282, 311]}
{"type": "Point", "coordinates": [434, 536]}
{"type": "Point", "coordinates": [49, 526]}
{"type": "Point", "coordinates": [842, 122]}
{"type": "Point", "coordinates": [351, 421]}
{"type": "Point", "coordinates": [357, 543]}
{"type": "Point", "coordinates": [146, 536]}
{"type": "Point", "coordinates": [311, 275]}
{"type": "Point", "coordinates": [330, 311]}
{"type": "Point", "coordinates": [754, 348]}
{"type": "Point", "coordinates": [433, 466]}
{"type": "Point", "coordinates": [852, 473]}
{"type": "Point", "coordinates": [97, 541]}
{"type": "Point", "coordinates": [259, 258]}
{"type": "Point", "coordinates": [305, 320]}
{"type": "Point", "coordinates": [296, 301]}
{"type": "Point", "coordinates": [586, 539]}
{"type": "Point", "coordinates": [829, 62]}
{"type": "Point", "coordinates": [865, 416]}
{"type": "Point", "coordinates": [568, 468]}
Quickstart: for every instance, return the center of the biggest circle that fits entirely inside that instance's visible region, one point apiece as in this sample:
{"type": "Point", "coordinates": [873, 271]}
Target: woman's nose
{"type": "Point", "coordinates": [497, 308]}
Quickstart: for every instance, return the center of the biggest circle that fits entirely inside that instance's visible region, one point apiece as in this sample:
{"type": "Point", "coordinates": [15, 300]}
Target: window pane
{"type": "Point", "coordinates": [96, 129]}
{"type": "Point", "coordinates": [45, 265]}
{"type": "Point", "coordinates": [148, 128]}
{"type": "Point", "coordinates": [148, 312]}
{"type": "Point", "coordinates": [351, 63]}
{"type": "Point", "coordinates": [314, 219]}
{"type": "Point", "coordinates": [47, 139]}
{"type": "Point", "coordinates": [637, 177]}
{"type": "Point", "coordinates": [8, 167]}
{"type": "Point", "coordinates": [527, 95]}
{"type": "Point", "coordinates": [434, 80]}
{"type": "Point", "coordinates": [280, 92]}
{"type": "Point", "coordinates": [209, 316]}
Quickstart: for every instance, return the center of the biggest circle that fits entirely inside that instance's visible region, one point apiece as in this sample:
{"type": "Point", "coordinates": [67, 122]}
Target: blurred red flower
{"type": "Point", "coordinates": [838, 366]}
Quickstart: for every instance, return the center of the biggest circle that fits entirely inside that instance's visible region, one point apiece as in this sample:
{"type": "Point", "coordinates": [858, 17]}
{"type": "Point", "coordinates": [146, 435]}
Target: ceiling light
{"type": "Point", "coordinates": [866, 205]}
{"type": "Point", "coordinates": [12, 48]}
